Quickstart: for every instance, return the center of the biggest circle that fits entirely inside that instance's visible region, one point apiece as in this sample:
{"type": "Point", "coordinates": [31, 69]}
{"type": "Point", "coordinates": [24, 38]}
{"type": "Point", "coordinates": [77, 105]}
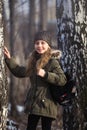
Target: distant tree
{"type": "Point", "coordinates": [3, 76]}
{"type": "Point", "coordinates": [43, 15]}
{"type": "Point", "coordinates": [31, 24]}
{"type": "Point", "coordinates": [11, 38]}
{"type": "Point", "coordinates": [72, 40]}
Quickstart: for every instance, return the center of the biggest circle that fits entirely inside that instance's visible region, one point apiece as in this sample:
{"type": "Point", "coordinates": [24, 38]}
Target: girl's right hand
{"type": "Point", "coordinates": [7, 53]}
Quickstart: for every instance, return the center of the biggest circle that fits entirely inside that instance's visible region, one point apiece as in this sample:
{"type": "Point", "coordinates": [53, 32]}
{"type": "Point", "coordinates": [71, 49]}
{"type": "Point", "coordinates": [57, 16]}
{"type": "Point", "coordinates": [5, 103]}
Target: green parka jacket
{"type": "Point", "coordinates": [39, 100]}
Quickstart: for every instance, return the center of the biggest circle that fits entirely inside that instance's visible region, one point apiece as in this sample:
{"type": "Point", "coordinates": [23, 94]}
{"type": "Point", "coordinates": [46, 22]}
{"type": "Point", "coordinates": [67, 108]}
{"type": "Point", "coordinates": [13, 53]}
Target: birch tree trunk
{"type": "Point", "coordinates": [80, 37]}
{"type": "Point", "coordinates": [72, 40]}
{"type": "Point", "coordinates": [3, 79]}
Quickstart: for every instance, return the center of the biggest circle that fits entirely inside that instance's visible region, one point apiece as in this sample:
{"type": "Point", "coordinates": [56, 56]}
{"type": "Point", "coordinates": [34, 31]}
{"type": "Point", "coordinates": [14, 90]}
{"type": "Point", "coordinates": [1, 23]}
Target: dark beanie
{"type": "Point", "coordinates": [43, 35]}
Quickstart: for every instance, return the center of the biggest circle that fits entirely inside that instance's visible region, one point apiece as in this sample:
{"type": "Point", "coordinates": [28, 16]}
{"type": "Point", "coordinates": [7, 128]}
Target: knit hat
{"type": "Point", "coordinates": [43, 35]}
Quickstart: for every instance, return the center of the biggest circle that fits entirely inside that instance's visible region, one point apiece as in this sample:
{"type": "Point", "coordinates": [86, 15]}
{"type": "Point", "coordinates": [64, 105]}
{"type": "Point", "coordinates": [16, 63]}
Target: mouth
{"type": "Point", "coordinates": [39, 49]}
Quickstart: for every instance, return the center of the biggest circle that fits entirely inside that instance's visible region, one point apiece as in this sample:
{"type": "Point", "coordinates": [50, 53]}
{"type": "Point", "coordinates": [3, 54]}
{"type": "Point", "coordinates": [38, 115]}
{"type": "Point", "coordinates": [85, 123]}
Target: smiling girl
{"type": "Point", "coordinates": [43, 69]}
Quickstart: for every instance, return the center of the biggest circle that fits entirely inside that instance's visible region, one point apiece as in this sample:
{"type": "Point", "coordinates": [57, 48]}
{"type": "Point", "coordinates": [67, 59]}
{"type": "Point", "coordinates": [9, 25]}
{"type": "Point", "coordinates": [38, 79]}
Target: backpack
{"type": "Point", "coordinates": [63, 94]}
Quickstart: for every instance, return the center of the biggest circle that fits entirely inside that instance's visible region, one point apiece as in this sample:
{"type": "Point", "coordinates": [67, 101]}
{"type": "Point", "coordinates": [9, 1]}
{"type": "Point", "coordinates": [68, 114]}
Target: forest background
{"type": "Point", "coordinates": [20, 20]}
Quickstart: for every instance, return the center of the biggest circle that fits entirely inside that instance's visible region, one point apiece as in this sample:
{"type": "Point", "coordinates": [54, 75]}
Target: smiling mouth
{"type": "Point", "coordinates": [39, 49]}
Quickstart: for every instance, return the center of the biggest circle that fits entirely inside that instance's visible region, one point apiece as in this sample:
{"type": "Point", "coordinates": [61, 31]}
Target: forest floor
{"type": "Point", "coordinates": [18, 122]}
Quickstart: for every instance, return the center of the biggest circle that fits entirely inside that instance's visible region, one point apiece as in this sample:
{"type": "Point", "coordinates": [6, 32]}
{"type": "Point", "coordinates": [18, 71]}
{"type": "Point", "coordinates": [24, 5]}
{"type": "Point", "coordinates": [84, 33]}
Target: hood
{"type": "Point", "coordinates": [57, 54]}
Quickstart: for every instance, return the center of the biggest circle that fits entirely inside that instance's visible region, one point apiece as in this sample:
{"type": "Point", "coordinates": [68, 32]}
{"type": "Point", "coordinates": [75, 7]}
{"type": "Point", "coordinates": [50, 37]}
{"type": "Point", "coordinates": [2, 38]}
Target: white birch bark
{"type": "Point", "coordinates": [72, 40]}
{"type": "Point", "coordinates": [3, 80]}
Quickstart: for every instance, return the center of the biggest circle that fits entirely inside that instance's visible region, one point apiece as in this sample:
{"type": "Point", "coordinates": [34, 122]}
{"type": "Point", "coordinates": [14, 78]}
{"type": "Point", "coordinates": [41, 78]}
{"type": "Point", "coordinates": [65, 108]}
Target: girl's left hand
{"type": "Point", "coordinates": [41, 72]}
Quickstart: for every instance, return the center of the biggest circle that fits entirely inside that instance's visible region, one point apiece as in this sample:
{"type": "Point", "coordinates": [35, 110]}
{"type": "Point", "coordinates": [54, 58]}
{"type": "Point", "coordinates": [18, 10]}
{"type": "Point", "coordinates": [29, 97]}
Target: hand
{"type": "Point", "coordinates": [74, 90]}
{"type": "Point", "coordinates": [41, 72]}
{"type": "Point", "coordinates": [7, 53]}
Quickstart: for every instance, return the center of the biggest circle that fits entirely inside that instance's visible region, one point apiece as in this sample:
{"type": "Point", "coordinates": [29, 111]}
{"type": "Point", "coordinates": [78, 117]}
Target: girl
{"type": "Point", "coordinates": [43, 69]}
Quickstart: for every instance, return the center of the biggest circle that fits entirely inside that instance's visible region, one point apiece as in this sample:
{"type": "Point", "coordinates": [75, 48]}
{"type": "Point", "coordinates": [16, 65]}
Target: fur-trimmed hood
{"type": "Point", "coordinates": [57, 54]}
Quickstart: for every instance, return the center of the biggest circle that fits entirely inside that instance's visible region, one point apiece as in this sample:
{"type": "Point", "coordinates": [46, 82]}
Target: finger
{"type": "Point", "coordinates": [6, 51]}
{"type": "Point", "coordinates": [5, 48]}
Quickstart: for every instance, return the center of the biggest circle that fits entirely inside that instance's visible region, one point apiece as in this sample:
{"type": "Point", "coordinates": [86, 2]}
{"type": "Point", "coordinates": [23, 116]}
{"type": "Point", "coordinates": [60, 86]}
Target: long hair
{"type": "Point", "coordinates": [37, 61]}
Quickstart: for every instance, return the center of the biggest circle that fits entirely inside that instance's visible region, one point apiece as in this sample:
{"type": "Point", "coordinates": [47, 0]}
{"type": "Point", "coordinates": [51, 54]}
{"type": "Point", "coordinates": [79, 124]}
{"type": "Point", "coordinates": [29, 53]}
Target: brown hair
{"type": "Point", "coordinates": [39, 60]}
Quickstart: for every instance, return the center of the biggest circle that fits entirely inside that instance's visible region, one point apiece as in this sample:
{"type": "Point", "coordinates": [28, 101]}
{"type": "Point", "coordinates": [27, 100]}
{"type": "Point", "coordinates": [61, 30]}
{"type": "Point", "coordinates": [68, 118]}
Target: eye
{"type": "Point", "coordinates": [37, 43]}
{"type": "Point", "coordinates": [42, 42]}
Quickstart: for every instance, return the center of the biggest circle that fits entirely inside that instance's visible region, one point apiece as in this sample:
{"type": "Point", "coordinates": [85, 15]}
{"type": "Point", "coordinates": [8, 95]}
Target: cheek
{"type": "Point", "coordinates": [46, 47]}
{"type": "Point", "coordinates": [35, 46]}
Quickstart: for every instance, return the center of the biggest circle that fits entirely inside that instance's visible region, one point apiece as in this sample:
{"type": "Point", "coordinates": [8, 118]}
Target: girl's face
{"type": "Point", "coordinates": [41, 46]}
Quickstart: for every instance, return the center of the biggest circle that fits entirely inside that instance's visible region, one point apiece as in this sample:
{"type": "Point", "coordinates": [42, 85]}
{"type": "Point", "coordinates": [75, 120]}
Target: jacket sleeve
{"type": "Point", "coordinates": [55, 74]}
{"type": "Point", "coordinates": [16, 69]}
